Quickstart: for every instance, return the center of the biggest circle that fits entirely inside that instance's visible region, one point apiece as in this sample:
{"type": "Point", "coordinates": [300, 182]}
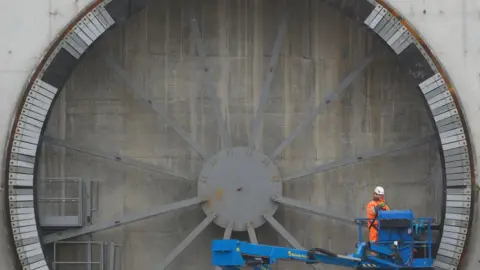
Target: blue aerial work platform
{"type": "Point", "coordinates": [402, 244]}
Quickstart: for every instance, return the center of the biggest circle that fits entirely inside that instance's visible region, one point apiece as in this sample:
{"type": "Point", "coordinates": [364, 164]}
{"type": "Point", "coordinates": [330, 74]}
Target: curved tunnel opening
{"type": "Point", "coordinates": [318, 111]}
{"type": "Point", "coordinates": [111, 112]}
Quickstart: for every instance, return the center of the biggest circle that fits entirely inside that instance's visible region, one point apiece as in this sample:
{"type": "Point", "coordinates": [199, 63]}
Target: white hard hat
{"type": "Point", "coordinates": [379, 190]}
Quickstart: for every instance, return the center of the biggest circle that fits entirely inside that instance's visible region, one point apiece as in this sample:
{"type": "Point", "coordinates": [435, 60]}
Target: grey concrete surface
{"type": "Point", "coordinates": [379, 110]}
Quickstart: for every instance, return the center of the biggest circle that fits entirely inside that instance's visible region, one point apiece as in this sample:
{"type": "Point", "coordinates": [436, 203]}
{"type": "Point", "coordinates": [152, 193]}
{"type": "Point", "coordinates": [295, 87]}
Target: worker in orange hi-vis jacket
{"type": "Point", "coordinates": [375, 205]}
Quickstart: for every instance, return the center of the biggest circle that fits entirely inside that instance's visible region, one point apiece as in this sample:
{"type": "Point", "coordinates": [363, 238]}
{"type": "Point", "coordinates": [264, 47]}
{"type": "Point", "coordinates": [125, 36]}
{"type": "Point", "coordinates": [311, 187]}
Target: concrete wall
{"type": "Point", "coordinates": [451, 30]}
{"type": "Point", "coordinates": [448, 26]}
{"type": "Point", "coordinates": [381, 109]}
{"type": "Point", "coordinates": [27, 28]}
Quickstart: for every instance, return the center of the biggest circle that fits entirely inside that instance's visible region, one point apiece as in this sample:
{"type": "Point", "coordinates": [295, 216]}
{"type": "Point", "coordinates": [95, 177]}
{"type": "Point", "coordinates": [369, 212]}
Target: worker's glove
{"type": "Point", "coordinates": [380, 206]}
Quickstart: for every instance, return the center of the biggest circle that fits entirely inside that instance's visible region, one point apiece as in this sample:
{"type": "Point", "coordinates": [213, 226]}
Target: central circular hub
{"type": "Point", "coordinates": [239, 184]}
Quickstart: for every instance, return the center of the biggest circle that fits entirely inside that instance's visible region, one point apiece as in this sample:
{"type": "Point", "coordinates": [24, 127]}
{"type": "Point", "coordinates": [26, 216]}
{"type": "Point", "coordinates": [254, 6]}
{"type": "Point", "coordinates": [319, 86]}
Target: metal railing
{"type": "Point", "coordinates": [417, 226]}
{"type": "Point", "coordinates": [86, 255]}
{"type": "Point", "coordinates": [65, 202]}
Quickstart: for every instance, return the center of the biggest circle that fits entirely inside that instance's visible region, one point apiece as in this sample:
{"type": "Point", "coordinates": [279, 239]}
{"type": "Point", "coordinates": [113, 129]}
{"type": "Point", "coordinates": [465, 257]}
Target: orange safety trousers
{"type": "Point", "coordinates": [373, 231]}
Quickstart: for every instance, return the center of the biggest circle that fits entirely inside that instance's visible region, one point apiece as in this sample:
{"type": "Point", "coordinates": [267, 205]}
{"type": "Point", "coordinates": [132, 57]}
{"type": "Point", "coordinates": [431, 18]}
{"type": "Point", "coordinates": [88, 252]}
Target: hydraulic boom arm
{"type": "Point", "coordinates": [233, 254]}
{"type": "Point", "coordinates": [400, 245]}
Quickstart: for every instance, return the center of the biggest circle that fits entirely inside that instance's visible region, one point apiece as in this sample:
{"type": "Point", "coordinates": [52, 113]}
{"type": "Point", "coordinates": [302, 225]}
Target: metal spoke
{"type": "Point", "coordinates": [308, 208]}
{"type": "Point", "coordinates": [285, 234]}
{"type": "Point", "coordinates": [362, 157]}
{"type": "Point", "coordinates": [221, 125]}
{"type": "Point", "coordinates": [228, 231]}
{"type": "Point", "coordinates": [347, 81]}
{"type": "Point", "coordinates": [111, 156]}
{"type": "Point", "coordinates": [226, 235]}
{"type": "Point", "coordinates": [158, 109]}
{"type": "Point", "coordinates": [312, 209]}
{"type": "Point", "coordinates": [272, 66]}
{"type": "Point", "coordinates": [252, 235]}
{"type": "Point", "coordinates": [187, 241]}
{"type": "Point", "coordinates": [122, 221]}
